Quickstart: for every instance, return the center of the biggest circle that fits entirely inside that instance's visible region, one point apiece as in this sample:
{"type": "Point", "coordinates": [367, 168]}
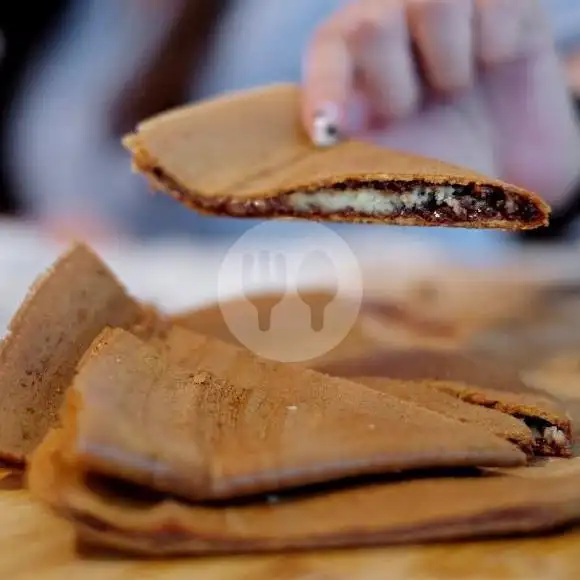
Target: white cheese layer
{"type": "Point", "coordinates": [374, 202]}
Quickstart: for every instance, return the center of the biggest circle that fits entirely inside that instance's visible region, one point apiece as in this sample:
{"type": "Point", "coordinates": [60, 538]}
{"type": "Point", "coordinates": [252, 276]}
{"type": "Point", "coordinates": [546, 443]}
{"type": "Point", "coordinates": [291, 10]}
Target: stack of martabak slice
{"type": "Point", "coordinates": [172, 442]}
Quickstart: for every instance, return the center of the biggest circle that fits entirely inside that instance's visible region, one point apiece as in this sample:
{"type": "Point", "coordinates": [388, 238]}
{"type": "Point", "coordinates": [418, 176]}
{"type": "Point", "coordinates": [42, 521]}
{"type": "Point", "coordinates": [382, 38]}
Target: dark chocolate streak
{"type": "Point", "coordinates": [470, 196]}
{"type": "Point", "coordinates": [543, 447]}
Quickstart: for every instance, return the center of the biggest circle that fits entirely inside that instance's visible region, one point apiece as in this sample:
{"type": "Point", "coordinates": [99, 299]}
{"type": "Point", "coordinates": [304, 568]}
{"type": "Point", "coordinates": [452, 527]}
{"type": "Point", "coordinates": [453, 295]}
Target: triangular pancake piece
{"type": "Point", "coordinates": [114, 514]}
{"type": "Point", "coordinates": [560, 376]}
{"type": "Point", "coordinates": [62, 314]}
{"type": "Point", "coordinates": [214, 146]}
{"type": "Point", "coordinates": [246, 155]}
{"type": "Point", "coordinates": [226, 424]}
{"type": "Point", "coordinates": [417, 364]}
{"type": "Point", "coordinates": [549, 422]}
{"type": "Point", "coordinates": [209, 320]}
{"type": "Point", "coordinates": [448, 405]}
{"type": "Point", "coordinates": [478, 380]}
{"type": "Point", "coordinates": [551, 327]}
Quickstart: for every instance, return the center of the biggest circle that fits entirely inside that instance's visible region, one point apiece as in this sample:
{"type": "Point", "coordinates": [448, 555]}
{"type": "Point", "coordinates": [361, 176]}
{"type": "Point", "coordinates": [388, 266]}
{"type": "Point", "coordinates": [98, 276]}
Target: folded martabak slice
{"type": "Point", "coordinates": [549, 422]}
{"type": "Point", "coordinates": [63, 313]}
{"type": "Point", "coordinates": [418, 364]}
{"type": "Point", "coordinates": [428, 395]}
{"type": "Point", "coordinates": [246, 155]}
{"type": "Point", "coordinates": [110, 512]}
{"type": "Point", "coordinates": [225, 424]}
{"type": "Point", "coordinates": [479, 380]}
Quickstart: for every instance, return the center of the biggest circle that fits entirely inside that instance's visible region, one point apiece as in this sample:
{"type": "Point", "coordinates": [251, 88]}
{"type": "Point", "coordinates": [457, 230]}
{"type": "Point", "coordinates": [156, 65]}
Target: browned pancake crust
{"type": "Point", "coordinates": [533, 410]}
{"type": "Point", "coordinates": [530, 212]}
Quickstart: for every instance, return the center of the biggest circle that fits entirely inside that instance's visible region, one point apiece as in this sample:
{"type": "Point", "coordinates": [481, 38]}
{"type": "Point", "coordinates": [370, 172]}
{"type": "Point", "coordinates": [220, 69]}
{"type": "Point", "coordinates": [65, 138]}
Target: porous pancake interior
{"type": "Point", "coordinates": [443, 202]}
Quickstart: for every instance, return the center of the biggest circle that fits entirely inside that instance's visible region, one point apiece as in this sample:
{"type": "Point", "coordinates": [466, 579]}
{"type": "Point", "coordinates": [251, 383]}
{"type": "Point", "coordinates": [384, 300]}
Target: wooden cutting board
{"type": "Point", "coordinates": [34, 544]}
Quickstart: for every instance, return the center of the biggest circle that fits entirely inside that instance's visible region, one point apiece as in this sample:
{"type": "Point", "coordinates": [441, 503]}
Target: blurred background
{"type": "Point", "coordinates": [30, 34]}
{"type": "Point", "coordinates": [75, 75]}
{"type": "Point", "coordinates": [81, 73]}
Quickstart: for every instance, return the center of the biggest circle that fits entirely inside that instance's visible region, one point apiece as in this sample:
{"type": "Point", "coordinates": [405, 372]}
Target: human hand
{"type": "Point", "coordinates": [472, 82]}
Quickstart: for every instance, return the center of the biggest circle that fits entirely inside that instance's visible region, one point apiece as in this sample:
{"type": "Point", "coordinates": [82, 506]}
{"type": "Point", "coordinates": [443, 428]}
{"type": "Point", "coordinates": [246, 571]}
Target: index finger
{"type": "Point", "coordinates": [328, 79]}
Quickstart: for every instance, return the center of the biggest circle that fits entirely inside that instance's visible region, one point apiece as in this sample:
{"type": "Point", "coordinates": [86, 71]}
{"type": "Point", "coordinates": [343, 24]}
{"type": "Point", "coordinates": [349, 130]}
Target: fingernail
{"type": "Point", "coordinates": [325, 129]}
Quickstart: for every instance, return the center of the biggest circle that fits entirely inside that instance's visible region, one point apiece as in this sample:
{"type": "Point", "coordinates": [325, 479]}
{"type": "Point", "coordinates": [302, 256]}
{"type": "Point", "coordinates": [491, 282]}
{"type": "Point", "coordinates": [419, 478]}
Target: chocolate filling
{"type": "Point", "coordinates": [471, 202]}
{"type": "Point", "coordinates": [544, 445]}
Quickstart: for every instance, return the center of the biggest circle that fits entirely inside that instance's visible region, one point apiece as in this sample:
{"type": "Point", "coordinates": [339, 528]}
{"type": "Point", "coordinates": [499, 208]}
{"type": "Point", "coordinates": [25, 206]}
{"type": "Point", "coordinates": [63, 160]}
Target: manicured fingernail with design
{"type": "Point", "coordinates": [325, 131]}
